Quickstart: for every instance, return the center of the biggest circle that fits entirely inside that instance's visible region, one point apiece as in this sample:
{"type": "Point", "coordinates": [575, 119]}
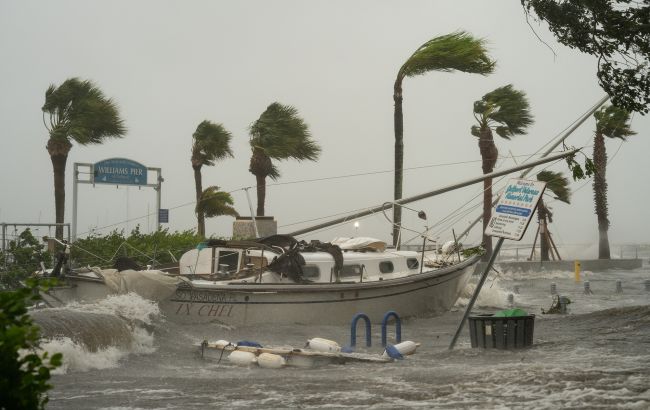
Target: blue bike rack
{"type": "Point", "coordinates": [353, 329]}
{"type": "Point", "coordinates": [398, 327]}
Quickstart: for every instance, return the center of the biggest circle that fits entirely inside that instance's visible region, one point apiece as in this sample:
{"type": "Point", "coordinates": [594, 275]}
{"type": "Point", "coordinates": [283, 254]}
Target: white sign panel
{"type": "Point", "coordinates": [515, 208]}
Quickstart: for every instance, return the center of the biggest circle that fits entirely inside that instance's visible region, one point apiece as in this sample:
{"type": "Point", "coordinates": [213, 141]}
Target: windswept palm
{"type": "Point", "coordinates": [213, 203]}
{"type": "Point", "coordinates": [559, 186]}
{"type": "Point", "coordinates": [76, 111]}
{"type": "Point", "coordinates": [611, 122]}
{"type": "Point", "coordinates": [457, 51]}
{"type": "Point", "coordinates": [507, 112]}
{"type": "Point", "coordinates": [278, 134]}
{"type": "Point", "coordinates": [210, 143]}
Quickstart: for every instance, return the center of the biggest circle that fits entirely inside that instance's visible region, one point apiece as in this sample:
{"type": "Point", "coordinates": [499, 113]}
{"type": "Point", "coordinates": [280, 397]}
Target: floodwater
{"type": "Point", "coordinates": [595, 357]}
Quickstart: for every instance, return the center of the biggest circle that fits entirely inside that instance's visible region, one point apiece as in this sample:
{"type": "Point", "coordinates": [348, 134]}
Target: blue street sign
{"type": "Point", "coordinates": [163, 216]}
{"type": "Point", "coordinates": [120, 171]}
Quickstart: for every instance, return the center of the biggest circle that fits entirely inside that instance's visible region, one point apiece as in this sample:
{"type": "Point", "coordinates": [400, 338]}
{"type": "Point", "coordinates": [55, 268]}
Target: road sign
{"type": "Point", "coordinates": [513, 212]}
{"type": "Point", "coordinates": [163, 216]}
{"type": "Point", "coordinates": [120, 171]}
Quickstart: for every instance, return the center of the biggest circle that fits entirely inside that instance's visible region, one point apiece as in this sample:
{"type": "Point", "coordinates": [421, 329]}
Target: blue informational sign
{"type": "Point", "coordinates": [163, 216]}
{"type": "Point", "coordinates": [120, 171]}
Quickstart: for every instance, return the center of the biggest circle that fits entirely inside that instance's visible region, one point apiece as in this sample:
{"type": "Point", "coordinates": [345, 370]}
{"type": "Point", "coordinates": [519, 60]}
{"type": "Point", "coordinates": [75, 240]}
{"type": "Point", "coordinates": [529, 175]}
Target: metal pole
{"type": "Point", "coordinates": [448, 188]}
{"type": "Point", "coordinates": [250, 206]}
{"type": "Point", "coordinates": [75, 178]}
{"type": "Point", "coordinates": [470, 305]}
{"type": "Point", "coordinates": [158, 189]}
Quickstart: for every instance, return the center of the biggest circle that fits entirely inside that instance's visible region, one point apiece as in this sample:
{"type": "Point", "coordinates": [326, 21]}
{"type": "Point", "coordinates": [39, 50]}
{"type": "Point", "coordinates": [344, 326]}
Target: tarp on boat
{"type": "Point", "coordinates": [360, 243]}
{"type": "Point", "coordinates": [150, 285]}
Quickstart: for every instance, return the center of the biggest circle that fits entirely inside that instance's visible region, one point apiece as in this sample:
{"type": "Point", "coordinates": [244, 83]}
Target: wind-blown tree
{"type": "Point", "coordinates": [611, 122]}
{"type": "Point", "coordinates": [457, 51]}
{"type": "Point", "coordinates": [558, 184]}
{"type": "Point", "coordinates": [78, 111]}
{"type": "Point", "coordinates": [213, 203]}
{"type": "Point", "coordinates": [614, 31]}
{"type": "Point", "coordinates": [210, 143]}
{"type": "Point", "coordinates": [278, 134]}
{"type": "Point", "coordinates": [507, 112]}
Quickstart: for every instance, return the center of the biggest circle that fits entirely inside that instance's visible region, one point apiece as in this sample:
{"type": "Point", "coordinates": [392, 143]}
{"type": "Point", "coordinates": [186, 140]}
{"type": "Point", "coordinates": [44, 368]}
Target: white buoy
{"type": "Point", "coordinates": [241, 358]}
{"type": "Point", "coordinates": [271, 361]}
{"type": "Point", "coordinates": [405, 348]}
{"type": "Point", "coordinates": [323, 345]}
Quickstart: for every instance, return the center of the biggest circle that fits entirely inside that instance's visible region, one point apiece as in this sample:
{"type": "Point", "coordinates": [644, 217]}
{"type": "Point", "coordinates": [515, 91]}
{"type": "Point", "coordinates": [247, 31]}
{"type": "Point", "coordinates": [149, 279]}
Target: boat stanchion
{"type": "Point", "coordinates": [588, 288]}
{"type": "Point", "coordinates": [619, 286]}
{"type": "Point", "coordinates": [398, 327]}
{"type": "Point", "coordinates": [353, 329]}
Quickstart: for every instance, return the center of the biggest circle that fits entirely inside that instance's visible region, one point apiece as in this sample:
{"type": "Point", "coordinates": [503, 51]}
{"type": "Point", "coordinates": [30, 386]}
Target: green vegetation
{"type": "Point", "coordinates": [507, 112]}
{"type": "Point", "coordinates": [611, 122]}
{"type": "Point", "coordinates": [25, 371]}
{"type": "Point", "coordinates": [278, 134]}
{"type": "Point", "coordinates": [616, 32]}
{"type": "Point", "coordinates": [77, 111]}
{"type": "Point", "coordinates": [146, 249]}
{"type": "Point", "coordinates": [22, 258]}
{"type": "Point", "coordinates": [210, 143]}
{"type": "Point", "coordinates": [213, 203]}
{"type": "Point", "coordinates": [452, 52]}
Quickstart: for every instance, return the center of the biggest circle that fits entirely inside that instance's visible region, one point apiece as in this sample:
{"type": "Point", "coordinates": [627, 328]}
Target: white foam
{"type": "Point", "coordinates": [492, 295]}
{"type": "Point", "coordinates": [130, 306]}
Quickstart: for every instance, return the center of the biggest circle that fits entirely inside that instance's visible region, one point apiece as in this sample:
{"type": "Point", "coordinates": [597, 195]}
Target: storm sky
{"type": "Point", "coordinates": [170, 65]}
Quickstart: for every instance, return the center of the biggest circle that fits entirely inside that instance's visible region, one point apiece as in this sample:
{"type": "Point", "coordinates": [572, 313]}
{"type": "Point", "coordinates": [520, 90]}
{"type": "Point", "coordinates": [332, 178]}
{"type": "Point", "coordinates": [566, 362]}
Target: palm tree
{"type": "Point", "coordinates": [559, 186]}
{"type": "Point", "coordinates": [210, 143]}
{"type": "Point", "coordinates": [611, 122]}
{"type": "Point", "coordinates": [213, 203]}
{"type": "Point", "coordinates": [80, 112]}
{"type": "Point", "coordinates": [278, 134]}
{"type": "Point", "coordinates": [505, 110]}
{"type": "Point", "coordinates": [457, 51]}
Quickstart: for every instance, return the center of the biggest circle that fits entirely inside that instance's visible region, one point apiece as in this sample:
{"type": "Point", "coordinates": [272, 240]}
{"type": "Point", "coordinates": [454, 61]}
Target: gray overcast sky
{"type": "Point", "coordinates": [171, 64]}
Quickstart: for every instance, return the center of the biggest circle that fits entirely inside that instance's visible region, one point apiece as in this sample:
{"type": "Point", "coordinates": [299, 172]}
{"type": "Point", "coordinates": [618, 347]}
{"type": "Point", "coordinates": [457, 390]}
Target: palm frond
{"type": "Point", "coordinates": [457, 51]}
{"type": "Point", "coordinates": [211, 142]}
{"type": "Point", "coordinates": [613, 122]}
{"type": "Point", "coordinates": [282, 134]}
{"type": "Point", "coordinates": [507, 107]}
{"type": "Point", "coordinates": [214, 202]}
{"type": "Point", "coordinates": [557, 183]}
{"type": "Point", "coordinates": [79, 110]}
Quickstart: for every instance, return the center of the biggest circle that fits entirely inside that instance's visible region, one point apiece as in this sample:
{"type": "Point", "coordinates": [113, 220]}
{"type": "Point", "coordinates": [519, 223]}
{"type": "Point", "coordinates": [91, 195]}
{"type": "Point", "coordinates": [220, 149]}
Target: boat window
{"type": "Point", "coordinates": [412, 263]}
{"type": "Point", "coordinates": [386, 267]}
{"type": "Point", "coordinates": [227, 260]}
{"type": "Point", "coordinates": [349, 271]}
{"type": "Point", "coordinates": [311, 272]}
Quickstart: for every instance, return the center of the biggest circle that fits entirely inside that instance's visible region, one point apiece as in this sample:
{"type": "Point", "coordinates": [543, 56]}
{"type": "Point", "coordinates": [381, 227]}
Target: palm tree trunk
{"type": "Point", "coordinates": [600, 195]}
{"type": "Point", "coordinates": [200, 216]}
{"type": "Point", "coordinates": [58, 150]}
{"type": "Point", "coordinates": [399, 157]}
{"type": "Point", "coordinates": [261, 193]}
{"type": "Point", "coordinates": [543, 229]}
{"type": "Point", "coordinates": [489, 155]}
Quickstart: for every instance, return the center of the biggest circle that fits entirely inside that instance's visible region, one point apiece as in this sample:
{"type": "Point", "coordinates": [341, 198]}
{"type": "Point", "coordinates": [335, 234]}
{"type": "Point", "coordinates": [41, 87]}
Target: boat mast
{"type": "Point", "coordinates": [448, 188]}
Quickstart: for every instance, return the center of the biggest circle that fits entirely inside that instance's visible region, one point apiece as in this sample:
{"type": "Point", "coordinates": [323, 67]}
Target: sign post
{"type": "Point", "coordinates": [509, 220]}
{"type": "Point", "coordinates": [114, 171]}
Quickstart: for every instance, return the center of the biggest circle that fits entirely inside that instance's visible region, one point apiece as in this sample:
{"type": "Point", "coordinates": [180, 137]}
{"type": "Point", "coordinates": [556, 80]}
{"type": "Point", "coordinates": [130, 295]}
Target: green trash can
{"type": "Point", "coordinates": [501, 332]}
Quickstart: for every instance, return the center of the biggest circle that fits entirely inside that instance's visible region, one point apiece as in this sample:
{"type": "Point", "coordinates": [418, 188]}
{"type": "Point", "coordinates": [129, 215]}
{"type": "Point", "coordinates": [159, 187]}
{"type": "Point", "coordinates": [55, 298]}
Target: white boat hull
{"type": "Point", "coordinates": [432, 292]}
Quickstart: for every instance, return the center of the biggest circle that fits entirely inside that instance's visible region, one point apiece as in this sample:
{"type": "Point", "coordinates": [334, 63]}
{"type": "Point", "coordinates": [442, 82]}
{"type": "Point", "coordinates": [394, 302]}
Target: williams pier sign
{"type": "Point", "coordinates": [119, 171]}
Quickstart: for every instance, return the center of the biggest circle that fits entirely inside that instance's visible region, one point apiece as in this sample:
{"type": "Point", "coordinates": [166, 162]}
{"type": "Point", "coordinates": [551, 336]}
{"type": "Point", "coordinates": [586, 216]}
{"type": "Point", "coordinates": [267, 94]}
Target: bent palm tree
{"type": "Point", "coordinates": [505, 110]}
{"type": "Point", "coordinates": [210, 143]}
{"type": "Point", "coordinates": [611, 122]}
{"type": "Point", "coordinates": [78, 111]}
{"type": "Point", "coordinates": [279, 134]}
{"type": "Point", "coordinates": [213, 203]}
{"type": "Point", "coordinates": [559, 186]}
{"type": "Point", "coordinates": [452, 52]}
